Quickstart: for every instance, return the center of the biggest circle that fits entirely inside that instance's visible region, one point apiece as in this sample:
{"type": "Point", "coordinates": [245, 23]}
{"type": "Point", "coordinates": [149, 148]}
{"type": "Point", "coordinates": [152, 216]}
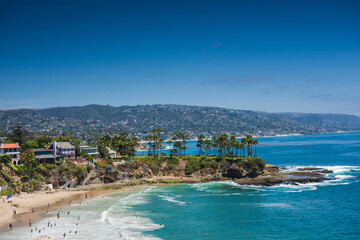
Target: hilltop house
{"type": "Point", "coordinates": [12, 149]}
{"type": "Point", "coordinates": [92, 151]}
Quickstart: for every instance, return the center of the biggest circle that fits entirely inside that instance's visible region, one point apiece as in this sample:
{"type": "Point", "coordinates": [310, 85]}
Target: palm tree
{"type": "Point", "coordinates": [184, 137]}
{"type": "Point", "coordinates": [214, 145]}
{"type": "Point", "coordinates": [237, 146]}
{"type": "Point", "coordinates": [255, 142]}
{"type": "Point", "coordinates": [232, 143]}
{"type": "Point", "coordinates": [177, 147]}
{"type": "Point", "coordinates": [223, 143]}
{"type": "Point", "coordinates": [200, 143]}
{"type": "Point", "coordinates": [29, 160]}
{"type": "Point", "coordinates": [243, 145]}
{"type": "Point", "coordinates": [208, 145]}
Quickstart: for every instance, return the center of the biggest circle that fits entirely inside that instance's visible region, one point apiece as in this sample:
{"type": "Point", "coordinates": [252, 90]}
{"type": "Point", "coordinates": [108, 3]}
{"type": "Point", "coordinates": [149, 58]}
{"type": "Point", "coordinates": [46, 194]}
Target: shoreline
{"type": "Point", "coordinates": [42, 202]}
{"type": "Point", "coordinates": [35, 205]}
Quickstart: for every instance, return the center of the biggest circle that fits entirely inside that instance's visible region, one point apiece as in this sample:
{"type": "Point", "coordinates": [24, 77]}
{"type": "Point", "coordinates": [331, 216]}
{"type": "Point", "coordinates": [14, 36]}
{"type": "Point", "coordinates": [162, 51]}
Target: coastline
{"type": "Point", "coordinates": [35, 205]}
{"type": "Point", "coordinates": [42, 202]}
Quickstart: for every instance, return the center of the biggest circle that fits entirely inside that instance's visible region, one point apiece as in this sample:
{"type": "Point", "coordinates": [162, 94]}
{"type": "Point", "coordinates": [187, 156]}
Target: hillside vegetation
{"type": "Point", "coordinates": [88, 121]}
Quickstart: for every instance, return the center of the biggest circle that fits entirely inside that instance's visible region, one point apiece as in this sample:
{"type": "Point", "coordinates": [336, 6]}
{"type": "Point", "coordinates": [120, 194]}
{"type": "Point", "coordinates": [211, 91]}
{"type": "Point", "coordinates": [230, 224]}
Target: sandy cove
{"type": "Point", "coordinates": [35, 205]}
{"type": "Point", "coordinates": [25, 203]}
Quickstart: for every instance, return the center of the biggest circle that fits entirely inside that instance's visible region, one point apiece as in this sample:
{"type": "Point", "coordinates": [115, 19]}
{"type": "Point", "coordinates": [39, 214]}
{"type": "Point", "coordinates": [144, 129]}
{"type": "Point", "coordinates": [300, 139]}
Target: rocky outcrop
{"type": "Point", "coordinates": [274, 176]}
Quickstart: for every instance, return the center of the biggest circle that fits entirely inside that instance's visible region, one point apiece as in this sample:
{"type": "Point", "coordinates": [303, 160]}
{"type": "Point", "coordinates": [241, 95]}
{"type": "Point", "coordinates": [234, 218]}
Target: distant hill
{"type": "Point", "coordinates": [88, 121]}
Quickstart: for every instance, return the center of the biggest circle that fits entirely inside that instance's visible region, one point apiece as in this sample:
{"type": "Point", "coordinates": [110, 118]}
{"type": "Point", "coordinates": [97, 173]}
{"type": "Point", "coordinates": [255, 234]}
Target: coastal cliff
{"type": "Point", "coordinates": [250, 171]}
{"type": "Point", "coordinates": [182, 169]}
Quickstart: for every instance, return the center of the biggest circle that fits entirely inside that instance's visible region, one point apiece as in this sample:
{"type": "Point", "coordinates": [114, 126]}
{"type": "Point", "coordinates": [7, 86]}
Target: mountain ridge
{"type": "Point", "coordinates": [95, 119]}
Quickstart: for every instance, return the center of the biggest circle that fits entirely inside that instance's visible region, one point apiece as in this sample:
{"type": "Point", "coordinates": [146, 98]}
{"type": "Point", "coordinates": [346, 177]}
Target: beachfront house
{"type": "Point", "coordinates": [44, 155]}
{"type": "Point", "coordinates": [62, 149]}
{"type": "Point", "coordinates": [55, 152]}
{"type": "Point", "coordinates": [89, 150]}
{"type": "Point", "coordinates": [12, 149]}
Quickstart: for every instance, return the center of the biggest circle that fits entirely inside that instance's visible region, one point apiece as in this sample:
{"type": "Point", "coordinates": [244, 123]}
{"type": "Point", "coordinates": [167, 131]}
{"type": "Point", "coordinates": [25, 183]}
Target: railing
{"type": "Point", "coordinates": [88, 177]}
{"type": "Point", "coordinates": [67, 184]}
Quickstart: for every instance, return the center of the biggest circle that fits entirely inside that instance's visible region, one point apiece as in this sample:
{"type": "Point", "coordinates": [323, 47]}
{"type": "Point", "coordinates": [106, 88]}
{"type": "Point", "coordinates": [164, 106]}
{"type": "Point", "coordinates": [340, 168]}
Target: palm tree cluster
{"type": "Point", "coordinates": [154, 142]}
{"type": "Point", "coordinates": [122, 143]}
{"type": "Point", "coordinates": [224, 145]}
{"type": "Point", "coordinates": [179, 140]}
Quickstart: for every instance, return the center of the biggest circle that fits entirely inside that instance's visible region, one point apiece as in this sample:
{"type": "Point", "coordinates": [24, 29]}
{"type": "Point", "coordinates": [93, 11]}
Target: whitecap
{"type": "Point", "coordinates": [171, 199]}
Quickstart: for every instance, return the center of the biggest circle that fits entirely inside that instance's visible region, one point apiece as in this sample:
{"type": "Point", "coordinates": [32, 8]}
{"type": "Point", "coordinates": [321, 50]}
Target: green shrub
{"type": "Point", "coordinates": [173, 161]}
{"type": "Point", "coordinates": [6, 192]}
{"type": "Point", "coordinates": [25, 178]}
{"type": "Point", "coordinates": [170, 167]}
{"type": "Point", "coordinates": [192, 166]}
{"type": "Point", "coordinates": [154, 168]}
{"type": "Point", "coordinates": [40, 178]}
{"type": "Point", "coordinates": [214, 165]}
{"type": "Point", "coordinates": [205, 163]}
{"type": "Point", "coordinates": [12, 166]}
{"type": "Point", "coordinates": [20, 170]}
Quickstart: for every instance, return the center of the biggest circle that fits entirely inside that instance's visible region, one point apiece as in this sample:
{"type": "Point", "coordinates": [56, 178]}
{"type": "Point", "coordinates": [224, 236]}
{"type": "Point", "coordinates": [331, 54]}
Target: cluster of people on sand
{"type": "Point", "coordinates": [51, 224]}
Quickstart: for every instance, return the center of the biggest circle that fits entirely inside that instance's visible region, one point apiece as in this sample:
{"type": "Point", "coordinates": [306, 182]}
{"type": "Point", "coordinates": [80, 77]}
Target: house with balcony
{"type": "Point", "coordinates": [89, 150]}
{"type": "Point", "coordinates": [62, 149]}
{"type": "Point", "coordinates": [12, 149]}
{"type": "Point", "coordinates": [55, 152]}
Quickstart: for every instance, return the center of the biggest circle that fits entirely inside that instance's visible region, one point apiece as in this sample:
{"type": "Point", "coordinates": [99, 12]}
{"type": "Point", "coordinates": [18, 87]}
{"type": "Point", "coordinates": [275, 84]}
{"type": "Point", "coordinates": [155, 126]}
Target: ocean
{"type": "Point", "coordinates": [225, 210]}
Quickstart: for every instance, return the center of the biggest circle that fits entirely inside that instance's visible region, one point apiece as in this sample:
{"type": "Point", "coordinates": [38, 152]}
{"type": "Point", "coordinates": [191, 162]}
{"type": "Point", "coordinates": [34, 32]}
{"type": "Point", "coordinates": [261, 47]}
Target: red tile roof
{"type": "Point", "coordinates": [9, 145]}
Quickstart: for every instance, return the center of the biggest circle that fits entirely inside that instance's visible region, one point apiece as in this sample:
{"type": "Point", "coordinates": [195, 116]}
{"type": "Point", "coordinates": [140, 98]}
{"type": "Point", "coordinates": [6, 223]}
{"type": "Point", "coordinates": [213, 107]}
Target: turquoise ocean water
{"type": "Point", "coordinates": [225, 210]}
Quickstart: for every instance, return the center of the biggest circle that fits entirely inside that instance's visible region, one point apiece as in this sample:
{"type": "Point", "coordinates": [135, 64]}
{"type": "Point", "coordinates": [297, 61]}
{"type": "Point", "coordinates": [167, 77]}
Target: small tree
{"type": "Point", "coordinates": [30, 162]}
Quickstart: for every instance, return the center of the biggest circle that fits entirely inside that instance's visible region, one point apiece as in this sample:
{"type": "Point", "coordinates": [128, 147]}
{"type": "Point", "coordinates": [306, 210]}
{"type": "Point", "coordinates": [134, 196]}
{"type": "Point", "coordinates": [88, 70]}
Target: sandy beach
{"type": "Point", "coordinates": [36, 205]}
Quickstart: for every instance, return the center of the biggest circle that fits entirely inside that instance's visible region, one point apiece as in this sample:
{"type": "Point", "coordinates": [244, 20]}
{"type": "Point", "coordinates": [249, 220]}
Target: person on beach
{"type": "Point", "coordinates": [10, 226]}
{"type": "Point", "coordinates": [58, 215]}
{"type": "Point", "coordinates": [14, 212]}
{"type": "Point", "coordinates": [30, 222]}
{"type": "Point", "coordinates": [64, 235]}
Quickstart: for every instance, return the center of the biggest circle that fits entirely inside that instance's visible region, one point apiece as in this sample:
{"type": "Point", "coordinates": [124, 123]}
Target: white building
{"type": "Point", "coordinates": [12, 149]}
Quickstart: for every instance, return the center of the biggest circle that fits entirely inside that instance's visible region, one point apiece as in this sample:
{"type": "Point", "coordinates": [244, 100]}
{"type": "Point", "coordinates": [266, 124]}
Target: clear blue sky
{"type": "Point", "coordinates": [294, 56]}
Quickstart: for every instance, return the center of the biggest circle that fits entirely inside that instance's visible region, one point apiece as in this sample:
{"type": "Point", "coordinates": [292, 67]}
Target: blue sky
{"type": "Point", "coordinates": [277, 56]}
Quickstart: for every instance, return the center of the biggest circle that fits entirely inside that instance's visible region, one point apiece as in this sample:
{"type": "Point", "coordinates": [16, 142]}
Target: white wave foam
{"type": "Point", "coordinates": [103, 216]}
{"type": "Point", "coordinates": [276, 205]}
{"type": "Point", "coordinates": [171, 199]}
{"type": "Point", "coordinates": [341, 175]}
{"type": "Point", "coordinates": [335, 169]}
{"type": "Point", "coordinates": [132, 227]}
{"type": "Point", "coordinates": [121, 218]}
